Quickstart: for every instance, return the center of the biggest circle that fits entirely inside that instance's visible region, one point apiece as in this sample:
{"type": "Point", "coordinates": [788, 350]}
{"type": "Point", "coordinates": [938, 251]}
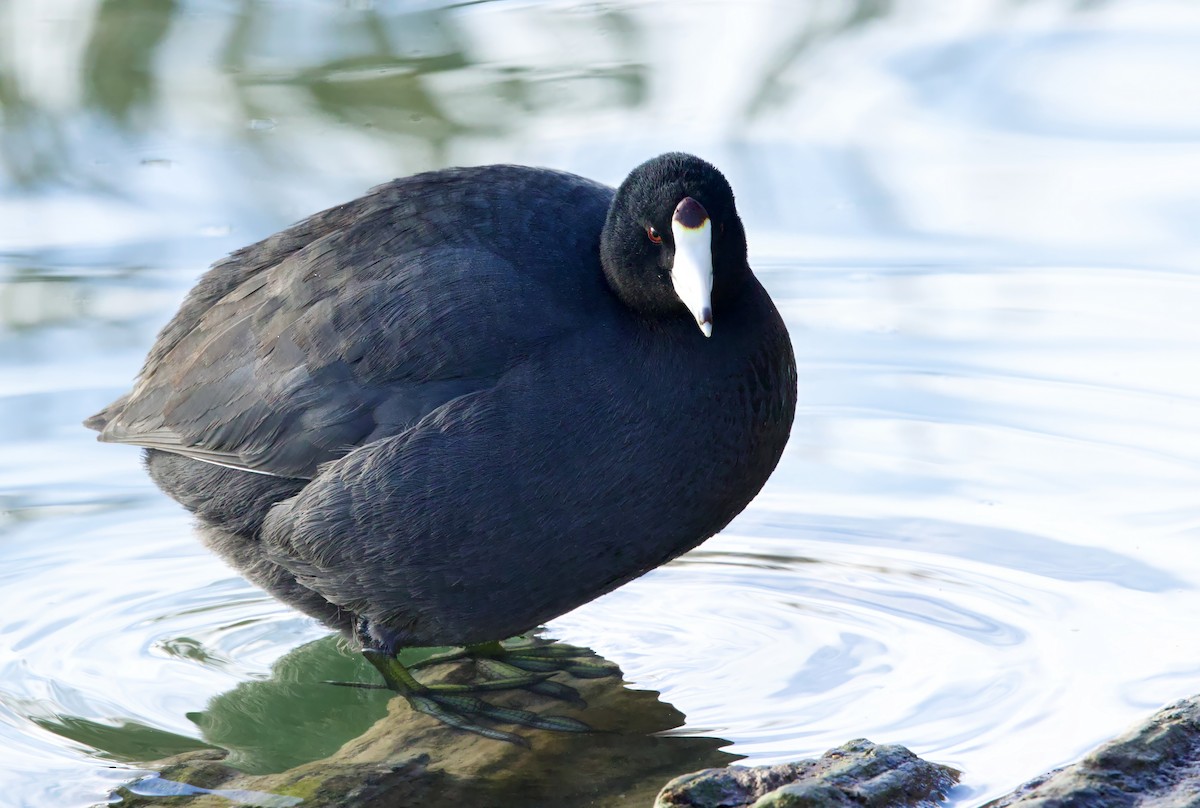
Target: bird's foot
{"type": "Point", "coordinates": [512, 659]}
{"type": "Point", "coordinates": [453, 704]}
{"type": "Point", "coordinates": [464, 712]}
{"type": "Point", "coordinates": [528, 655]}
{"type": "Point", "coordinates": [540, 656]}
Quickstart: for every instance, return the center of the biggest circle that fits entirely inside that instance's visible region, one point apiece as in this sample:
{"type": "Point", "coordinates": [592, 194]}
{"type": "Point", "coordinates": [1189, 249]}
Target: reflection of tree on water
{"type": "Point", "coordinates": [294, 717]}
{"type": "Point", "coordinates": [410, 81]}
{"type": "Point", "coordinates": [118, 66]}
{"type": "Point", "coordinates": [323, 80]}
{"type": "Point", "coordinates": [294, 734]}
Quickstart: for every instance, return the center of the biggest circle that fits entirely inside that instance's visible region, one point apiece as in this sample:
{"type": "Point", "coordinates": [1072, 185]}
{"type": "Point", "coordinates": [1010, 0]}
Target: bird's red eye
{"type": "Point", "coordinates": [653, 234]}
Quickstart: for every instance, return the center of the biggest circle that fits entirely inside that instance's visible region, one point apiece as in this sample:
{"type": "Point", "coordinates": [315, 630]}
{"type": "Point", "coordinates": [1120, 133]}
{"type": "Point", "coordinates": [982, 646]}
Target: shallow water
{"type": "Point", "coordinates": [980, 226]}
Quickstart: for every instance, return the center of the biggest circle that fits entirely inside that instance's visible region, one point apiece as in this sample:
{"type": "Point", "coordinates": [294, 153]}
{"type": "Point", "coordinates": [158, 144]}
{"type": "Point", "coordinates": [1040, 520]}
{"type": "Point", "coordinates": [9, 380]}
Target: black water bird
{"type": "Point", "coordinates": [470, 401]}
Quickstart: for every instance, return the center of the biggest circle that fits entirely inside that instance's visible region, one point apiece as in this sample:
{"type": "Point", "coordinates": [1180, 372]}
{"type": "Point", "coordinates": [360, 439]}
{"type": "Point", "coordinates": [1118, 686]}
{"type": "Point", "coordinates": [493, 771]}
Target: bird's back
{"type": "Point", "coordinates": [356, 322]}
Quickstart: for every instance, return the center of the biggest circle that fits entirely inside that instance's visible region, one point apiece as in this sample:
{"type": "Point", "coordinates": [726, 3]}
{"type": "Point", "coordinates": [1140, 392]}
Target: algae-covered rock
{"type": "Point", "coordinates": [859, 774]}
{"type": "Point", "coordinates": [405, 758]}
{"type": "Point", "coordinates": [1154, 765]}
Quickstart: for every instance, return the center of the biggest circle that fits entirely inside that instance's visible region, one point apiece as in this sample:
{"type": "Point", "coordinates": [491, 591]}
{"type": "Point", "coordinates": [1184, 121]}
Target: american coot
{"type": "Point", "coordinates": [471, 400]}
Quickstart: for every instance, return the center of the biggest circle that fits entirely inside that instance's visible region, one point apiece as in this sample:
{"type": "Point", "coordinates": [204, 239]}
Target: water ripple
{"type": "Point", "coordinates": [981, 542]}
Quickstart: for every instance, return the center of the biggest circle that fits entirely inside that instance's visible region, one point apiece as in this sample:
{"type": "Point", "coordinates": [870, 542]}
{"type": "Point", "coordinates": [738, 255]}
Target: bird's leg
{"type": "Point", "coordinates": [453, 705]}
{"type": "Point", "coordinates": [455, 655]}
{"type": "Point", "coordinates": [400, 678]}
{"type": "Point", "coordinates": [539, 657]}
{"type": "Point", "coordinates": [511, 659]}
{"type": "Point", "coordinates": [528, 655]}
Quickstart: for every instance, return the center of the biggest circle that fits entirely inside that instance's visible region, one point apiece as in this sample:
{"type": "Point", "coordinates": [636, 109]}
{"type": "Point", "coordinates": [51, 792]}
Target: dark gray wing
{"type": "Point", "coordinates": [290, 354]}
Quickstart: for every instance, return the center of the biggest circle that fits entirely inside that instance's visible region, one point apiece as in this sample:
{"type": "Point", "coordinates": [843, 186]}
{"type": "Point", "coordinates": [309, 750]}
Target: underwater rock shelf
{"type": "Point", "coordinates": [410, 759]}
{"type": "Point", "coordinates": [407, 758]}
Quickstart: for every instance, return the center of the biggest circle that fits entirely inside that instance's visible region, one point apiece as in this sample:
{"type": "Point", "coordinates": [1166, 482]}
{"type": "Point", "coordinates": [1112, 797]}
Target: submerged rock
{"type": "Point", "coordinates": [859, 774]}
{"type": "Point", "coordinates": [405, 758]}
{"type": "Point", "coordinates": [1154, 765]}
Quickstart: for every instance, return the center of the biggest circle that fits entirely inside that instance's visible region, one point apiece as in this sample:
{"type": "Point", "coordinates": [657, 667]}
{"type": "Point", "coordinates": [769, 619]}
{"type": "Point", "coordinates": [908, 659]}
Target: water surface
{"type": "Point", "coordinates": [980, 226]}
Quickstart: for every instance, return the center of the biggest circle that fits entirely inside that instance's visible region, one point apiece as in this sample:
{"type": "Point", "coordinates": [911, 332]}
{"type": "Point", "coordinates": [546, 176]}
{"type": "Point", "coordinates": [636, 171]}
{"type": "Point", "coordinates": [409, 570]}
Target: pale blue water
{"type": "Point", "coordinates": [979, 220]}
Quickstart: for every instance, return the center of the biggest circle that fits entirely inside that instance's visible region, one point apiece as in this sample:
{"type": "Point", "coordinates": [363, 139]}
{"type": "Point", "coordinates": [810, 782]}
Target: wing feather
{"type": "Point", "coordinates": [355, 324]}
